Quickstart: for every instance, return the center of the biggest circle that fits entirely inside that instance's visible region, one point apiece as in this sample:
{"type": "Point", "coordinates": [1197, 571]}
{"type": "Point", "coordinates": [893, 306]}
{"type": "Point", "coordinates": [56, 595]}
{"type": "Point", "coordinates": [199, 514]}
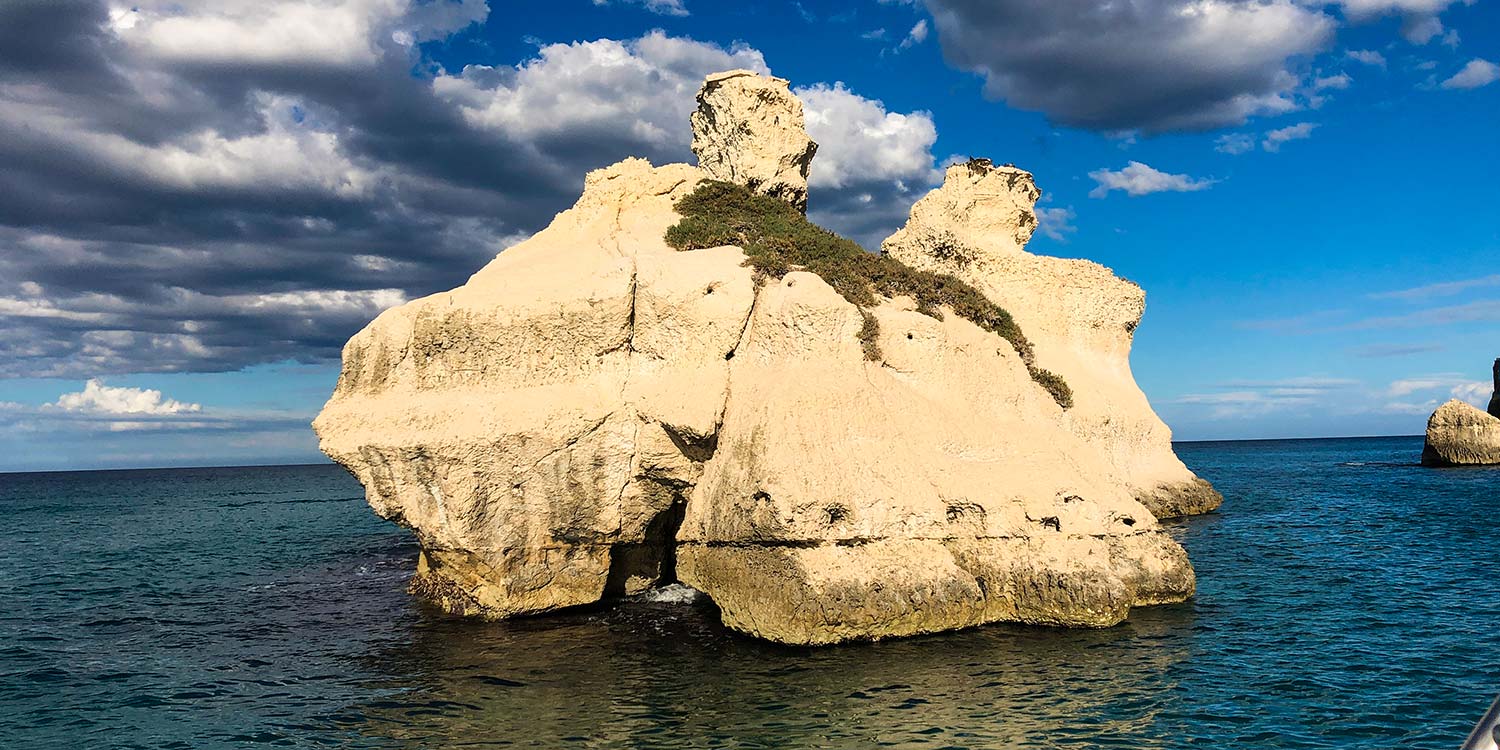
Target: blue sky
{"type": "Point", "coordinates": [206, 205]}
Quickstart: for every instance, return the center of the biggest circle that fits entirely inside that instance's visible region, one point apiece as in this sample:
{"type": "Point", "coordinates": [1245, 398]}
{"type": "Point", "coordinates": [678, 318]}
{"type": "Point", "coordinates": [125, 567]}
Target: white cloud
{"type": "Point", "coordinates": [1476, 73]}
{"type": "Point", "coordinates": [288, 155]}
{"type": "Point", "coordinates": [1138, 179]}
{"type": "Point", "coordinates": [1419, 18]}
{"type": "Point", "coordinates": [1234, 143]}
{"type": "Point", "coordinates": [1337, 81]}
{"type": "Point", "coordinates": [330, 32]}
{"type": "Point", "coordinates": [917, 35]}
{"type": "Point", "coordinates": [636, 93]}
{"type": "Point", "coordinates": [1366, 56]}
{"type": "Point", "coordinates": [1056, 223]}
{"type": "Point", "coordinates": [1153, 66]}
{"type": "Point", "coordinates": [98, 398]}
{"type": "Point", "coordinates": [1275, 138]}
{"type": "Point", "coordinates": [1421, 29]}
{"type": "Point", "coordinates": [859, 141]}
{"type": "Point", "coordinates": [659, 7]}
{"type": "Point", "coordinates": [1476, 392]}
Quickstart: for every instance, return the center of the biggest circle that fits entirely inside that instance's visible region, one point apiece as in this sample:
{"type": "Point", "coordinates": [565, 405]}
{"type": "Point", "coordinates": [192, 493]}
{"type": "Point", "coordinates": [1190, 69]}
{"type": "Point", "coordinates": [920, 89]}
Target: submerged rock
{"type": "Point", "coordinates": [595, 414]}
{"type": "Point", "coordinates": [1459, 434]}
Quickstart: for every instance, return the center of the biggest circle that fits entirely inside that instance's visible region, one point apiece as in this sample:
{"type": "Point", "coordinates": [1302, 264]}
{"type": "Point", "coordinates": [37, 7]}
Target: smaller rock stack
{"type": "Point", "coordinates": [1459, 434]}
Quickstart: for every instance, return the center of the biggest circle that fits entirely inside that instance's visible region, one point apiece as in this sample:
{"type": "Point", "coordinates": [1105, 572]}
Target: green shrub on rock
{"type": "Point", "coordinates": [778, 238]}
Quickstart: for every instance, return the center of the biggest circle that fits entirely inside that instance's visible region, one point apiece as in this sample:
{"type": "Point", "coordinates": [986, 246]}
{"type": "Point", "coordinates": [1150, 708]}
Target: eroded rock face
{"type": "Point", "coordinates": [594, 413]}
{"type": "Point", "coordinates": [749, 130]}
{"type": "Point", "coordinates": [1459, 434]}
{"type": "Point", "coordinates": [1079, 316]}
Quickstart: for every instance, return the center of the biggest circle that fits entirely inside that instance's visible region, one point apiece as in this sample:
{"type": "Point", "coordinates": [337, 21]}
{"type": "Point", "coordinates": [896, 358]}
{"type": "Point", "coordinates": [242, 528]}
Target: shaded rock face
{"type": "Point", "coordinates": [1459, 434]}
{"type": "Point", "coordinates": [1080, 317]}
{"type": "Point", "coordinates": [1495, 394]}
{"type": "Point", "coordinates": [594, 414]}
{"type": "Point", "coordinates": [749, 130]}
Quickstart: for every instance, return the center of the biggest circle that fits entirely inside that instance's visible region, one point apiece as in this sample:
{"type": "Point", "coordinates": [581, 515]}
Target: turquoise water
{"type": "Point", "coordinates": [1347, 599]}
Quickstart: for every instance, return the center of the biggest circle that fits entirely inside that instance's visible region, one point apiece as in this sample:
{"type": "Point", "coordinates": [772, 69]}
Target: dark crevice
{"type": "Point", "coordinates": [695, 448]}
{"type": "Point", "coordinates": [653, 559]}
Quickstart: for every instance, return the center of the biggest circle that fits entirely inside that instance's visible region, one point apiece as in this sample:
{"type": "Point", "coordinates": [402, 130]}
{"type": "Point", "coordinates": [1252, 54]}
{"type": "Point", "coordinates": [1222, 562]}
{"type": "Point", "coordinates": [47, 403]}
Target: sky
{"type": "Point", "coordinates": [201, 200]}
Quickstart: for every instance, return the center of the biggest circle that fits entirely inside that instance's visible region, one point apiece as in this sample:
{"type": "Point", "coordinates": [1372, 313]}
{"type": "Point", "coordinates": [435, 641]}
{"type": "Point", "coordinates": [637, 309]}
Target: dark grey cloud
{"type": "Point", "coordinates": [191, 188]}
{"type": "Point", "coordinates": [1150, 65]}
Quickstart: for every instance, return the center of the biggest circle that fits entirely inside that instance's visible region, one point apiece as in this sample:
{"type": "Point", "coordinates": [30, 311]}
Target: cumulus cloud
{"type": "Point", "coordinates": [1159, 65]}
{"type": "Point", "coordinates": [1476, 73]}
{"type": "Point", "coordinates": [1138, 179]}
{"type": "Point", "coordinates": [1476, 392]}
{"type": "Point", "coordinates": [176, 204]}
{"type": "Point", "coordinates": [872, 164]}
{"type": "Point", "coordinates": [615, 97]}
{"type": "Point", "coordinates": [276, 32]}
{"type": "Point", "coordinates": [98, 398]}
{"type": "Point", "coordinates": [1275, 138]}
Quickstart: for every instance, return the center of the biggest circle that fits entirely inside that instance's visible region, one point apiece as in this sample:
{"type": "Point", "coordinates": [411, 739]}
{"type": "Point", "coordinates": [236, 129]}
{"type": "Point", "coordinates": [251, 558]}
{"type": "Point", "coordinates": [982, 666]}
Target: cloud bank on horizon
{"type": "Point", "coordinates": [211, 185]}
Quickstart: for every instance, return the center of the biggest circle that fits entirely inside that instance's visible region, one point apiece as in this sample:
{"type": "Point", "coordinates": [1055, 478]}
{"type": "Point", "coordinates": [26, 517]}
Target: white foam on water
{"type": "Point", "coordinates": [672, 593]}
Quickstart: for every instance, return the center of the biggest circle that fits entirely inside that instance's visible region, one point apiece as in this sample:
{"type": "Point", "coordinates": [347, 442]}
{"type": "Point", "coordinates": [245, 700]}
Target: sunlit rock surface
{"type": "Point", "coordinates": [595, 414]}
{"type": "Point", "coordinates": [1459, 434]}
{"type": "Point", "coordinates": [1079, 316]}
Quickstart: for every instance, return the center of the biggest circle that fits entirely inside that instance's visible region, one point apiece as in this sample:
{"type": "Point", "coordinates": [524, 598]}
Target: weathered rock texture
{"type": "Point", "coordinates": [1080, 317]}
{"type": "Point", "coordinates": [1459, 434]}
{"type": "Point", "coordinates": [749, 130]}
{"type": "Point", "coordinates": [594, 413]}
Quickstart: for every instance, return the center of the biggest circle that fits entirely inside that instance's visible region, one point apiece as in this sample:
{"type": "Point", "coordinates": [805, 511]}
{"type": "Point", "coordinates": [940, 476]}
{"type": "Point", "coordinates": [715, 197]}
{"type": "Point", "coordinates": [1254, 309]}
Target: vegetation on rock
{"type": "Point", "coordinates": [778, 238]}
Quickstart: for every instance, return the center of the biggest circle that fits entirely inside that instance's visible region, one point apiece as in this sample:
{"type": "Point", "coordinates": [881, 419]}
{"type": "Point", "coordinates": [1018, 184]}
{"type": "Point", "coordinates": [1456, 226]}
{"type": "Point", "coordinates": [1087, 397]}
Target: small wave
{"type": "Point", "coordinates": [673, 593]}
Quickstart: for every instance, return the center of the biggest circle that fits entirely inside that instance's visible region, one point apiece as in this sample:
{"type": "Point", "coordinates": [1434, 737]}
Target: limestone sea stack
{"type": "Point", "coordinates": [1459, 434]}
{"type": "Point", "coordinates": [596, 412]}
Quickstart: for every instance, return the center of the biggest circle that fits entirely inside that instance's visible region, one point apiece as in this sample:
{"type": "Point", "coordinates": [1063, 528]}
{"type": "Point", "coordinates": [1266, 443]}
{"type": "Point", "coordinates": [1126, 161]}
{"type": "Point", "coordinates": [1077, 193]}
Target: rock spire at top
{"type": "Point", "coordinates": [749, 130]}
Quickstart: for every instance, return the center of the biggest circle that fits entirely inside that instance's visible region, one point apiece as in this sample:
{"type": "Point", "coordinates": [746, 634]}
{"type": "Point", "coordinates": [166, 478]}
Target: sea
{"type": "Point", "coordinates": [1347, 598]}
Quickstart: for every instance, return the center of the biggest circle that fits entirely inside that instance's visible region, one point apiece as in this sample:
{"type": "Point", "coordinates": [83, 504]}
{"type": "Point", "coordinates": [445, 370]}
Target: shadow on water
{"type": "Point", "coordinates": [649, 675]}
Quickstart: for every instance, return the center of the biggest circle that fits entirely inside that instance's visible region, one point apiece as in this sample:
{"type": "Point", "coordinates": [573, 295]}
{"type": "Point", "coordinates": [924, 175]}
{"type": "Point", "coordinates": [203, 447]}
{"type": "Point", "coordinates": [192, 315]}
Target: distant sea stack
{"type": "Point", "coordinates": [680, 379]}
{"type": "Point", "coordinates": [1459, 434]}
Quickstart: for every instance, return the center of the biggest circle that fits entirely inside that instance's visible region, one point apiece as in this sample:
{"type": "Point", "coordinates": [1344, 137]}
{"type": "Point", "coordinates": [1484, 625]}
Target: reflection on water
{"type": "Point", "coordinates": [1343, 603]}
{"type": "Point", "coordinates": [649, 675]}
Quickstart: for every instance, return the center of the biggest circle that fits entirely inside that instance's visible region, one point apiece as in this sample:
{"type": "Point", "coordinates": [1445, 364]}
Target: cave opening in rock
{"type": "Point", "coordinates": [651, 563]}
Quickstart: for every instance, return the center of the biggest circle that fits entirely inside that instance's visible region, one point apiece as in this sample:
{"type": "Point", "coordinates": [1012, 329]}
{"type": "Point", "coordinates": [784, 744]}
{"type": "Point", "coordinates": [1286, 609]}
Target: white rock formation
{"type": "Point", "coordinates": [1079, 316]}
{"type": "Point", "coordinates": [749, 130]}
{"type": "Point", "coordinates": [595, 413]}
{"type": "Point", "coordinates": [1459, 434]}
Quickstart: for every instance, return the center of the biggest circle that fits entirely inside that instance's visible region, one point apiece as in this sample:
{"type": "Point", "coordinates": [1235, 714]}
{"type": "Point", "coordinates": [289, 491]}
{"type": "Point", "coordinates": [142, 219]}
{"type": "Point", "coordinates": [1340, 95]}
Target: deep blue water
{"type": "Point", "coordinates": [1348, 598]}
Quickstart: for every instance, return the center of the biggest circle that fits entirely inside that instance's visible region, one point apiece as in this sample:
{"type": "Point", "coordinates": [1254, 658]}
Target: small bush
{"type": "Point", "coordinates": [1054, 384]}
{"type": "Point", "coordinates": [777, 238]}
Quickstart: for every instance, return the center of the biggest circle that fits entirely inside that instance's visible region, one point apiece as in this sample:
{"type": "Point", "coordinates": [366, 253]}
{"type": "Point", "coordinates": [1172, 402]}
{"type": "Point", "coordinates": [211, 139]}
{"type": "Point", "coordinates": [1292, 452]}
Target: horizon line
{"type": "Point", "coordinates": [330, 462]}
